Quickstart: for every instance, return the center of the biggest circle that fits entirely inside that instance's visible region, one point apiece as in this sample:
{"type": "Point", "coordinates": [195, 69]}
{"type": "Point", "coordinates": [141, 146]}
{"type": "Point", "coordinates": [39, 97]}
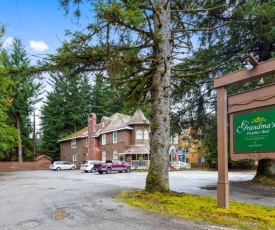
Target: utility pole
{"type": "Point", "coordinates": [34, 137]}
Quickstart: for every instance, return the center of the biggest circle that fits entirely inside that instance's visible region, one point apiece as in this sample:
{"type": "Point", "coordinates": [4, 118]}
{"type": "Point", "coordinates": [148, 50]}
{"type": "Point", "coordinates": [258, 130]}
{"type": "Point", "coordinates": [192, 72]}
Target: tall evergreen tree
{"type": "Point", "coordinates": [161, 34]}
{"type": "Point", "coordinates": [248, 27]}
{"type": "Point", "coordinates": [65, 110]}
{"type": "Point", "coordinates": [8, 133]}
{"type": "Point", "coordinates": [25, 95]}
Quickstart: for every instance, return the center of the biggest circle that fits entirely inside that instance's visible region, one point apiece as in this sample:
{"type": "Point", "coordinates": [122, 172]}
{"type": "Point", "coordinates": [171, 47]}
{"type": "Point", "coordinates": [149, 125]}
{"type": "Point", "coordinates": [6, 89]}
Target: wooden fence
{"type": "Point", "coordinates": [24, 166]}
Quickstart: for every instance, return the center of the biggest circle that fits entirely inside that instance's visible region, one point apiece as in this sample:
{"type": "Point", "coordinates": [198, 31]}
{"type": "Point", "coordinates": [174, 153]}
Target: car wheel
{"type": "Point", "coordinates": [108, 171]}
{"type": "Point", "coordinates": [58, 169]}
{"type": "Point", "coordinates": [120, 171]}
{"type": "Point", "coordinates": [85, 171]}
{"type": "Point", "coordinates": [73, 168]}
{"type": "Point", "coordinates": [100, 172]}
{"type": "Point", "coordinates": [127, 169]}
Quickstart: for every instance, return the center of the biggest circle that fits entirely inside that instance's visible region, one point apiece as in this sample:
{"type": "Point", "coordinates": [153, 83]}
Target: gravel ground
{"type": "Point", "coordinates": [43, 200]}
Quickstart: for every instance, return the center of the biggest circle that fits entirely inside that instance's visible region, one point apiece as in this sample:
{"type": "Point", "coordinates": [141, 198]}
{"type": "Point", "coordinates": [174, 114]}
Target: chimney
{"type": "Point", "coordinates": [92, 153]}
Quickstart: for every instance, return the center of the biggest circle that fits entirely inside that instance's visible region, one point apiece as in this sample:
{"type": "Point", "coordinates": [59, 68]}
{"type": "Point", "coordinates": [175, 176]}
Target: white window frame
{"type": "Point", "coordinates": [73, 143]}
{"type": "Point", "coordinates": [146, 134]}
{"type": "Point", "coordinates": [139, 135]}
{"type": "Point", "coordinates": [115, 155]}
{"type": "Point", "coordinates": [103, 139]}
{"type": "Point", "coordinates": [115, 137]}
{"type": "Point", "coordinates": [75, 159]}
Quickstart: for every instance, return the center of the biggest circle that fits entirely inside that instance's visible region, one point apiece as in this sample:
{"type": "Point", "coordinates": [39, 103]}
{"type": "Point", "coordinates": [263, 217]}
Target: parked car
{"type": "Point", "coordinates": [58, 165]}
{"type": "Point", "coordinates": [88, 166]}
{"type": "Point", "coordinates": [113, 165]}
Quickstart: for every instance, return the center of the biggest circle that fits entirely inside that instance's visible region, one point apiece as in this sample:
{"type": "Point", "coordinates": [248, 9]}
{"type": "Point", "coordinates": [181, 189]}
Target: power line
{"type": "Point", "coordinates": [18, 15]}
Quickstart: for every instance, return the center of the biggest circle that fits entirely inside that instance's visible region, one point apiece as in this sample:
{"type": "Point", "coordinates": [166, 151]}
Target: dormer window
{"type": "Point", "coordinates": [114, 137]}
{"type": "Point", "coordinates": [73, 143]}
{"type": "Point", "coordinates": [139, 135]}
{"type": "Point", "coordinates": [104, 139]}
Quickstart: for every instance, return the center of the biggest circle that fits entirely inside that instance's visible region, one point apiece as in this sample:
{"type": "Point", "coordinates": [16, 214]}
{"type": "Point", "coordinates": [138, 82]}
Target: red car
{"type": "Point", "coordinates": [113, 165]}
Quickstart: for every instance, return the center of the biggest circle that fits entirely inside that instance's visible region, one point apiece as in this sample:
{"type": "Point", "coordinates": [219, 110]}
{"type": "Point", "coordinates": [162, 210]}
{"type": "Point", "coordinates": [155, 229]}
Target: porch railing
{"type": "Point", "coordinates": [137, 164]}
{"type": "Point", "coordinates": [180, 164]}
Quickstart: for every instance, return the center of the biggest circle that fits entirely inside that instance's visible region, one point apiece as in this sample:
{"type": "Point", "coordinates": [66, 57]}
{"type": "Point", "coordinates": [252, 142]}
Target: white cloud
{"type": "Point", "coordinates": [7, 42]}
{"type": "Point", "coordinates": [38, 46]}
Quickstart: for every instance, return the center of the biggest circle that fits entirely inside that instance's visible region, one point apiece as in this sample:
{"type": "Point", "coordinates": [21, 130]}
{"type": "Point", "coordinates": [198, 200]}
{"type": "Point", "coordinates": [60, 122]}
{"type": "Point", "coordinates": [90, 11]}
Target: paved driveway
{"type": "Point", "coordinates": [76, 200]}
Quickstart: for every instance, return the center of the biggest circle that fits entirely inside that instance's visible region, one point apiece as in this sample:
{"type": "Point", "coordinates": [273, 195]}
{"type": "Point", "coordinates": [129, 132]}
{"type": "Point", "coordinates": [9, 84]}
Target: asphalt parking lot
{"type": "Point", "coordinates": [75, 200]}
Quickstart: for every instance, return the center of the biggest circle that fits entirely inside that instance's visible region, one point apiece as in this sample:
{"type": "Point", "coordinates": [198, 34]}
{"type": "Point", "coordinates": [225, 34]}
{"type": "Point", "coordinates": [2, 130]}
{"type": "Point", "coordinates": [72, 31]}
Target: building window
{"type": "Point", "coordinates": [146, 134]}
{"type": "Point", "coordinates": [115, 155]}
{"type": "Point", "coordinates": [176, 139]}
{"type": "Point", "coordinates": [103, 139]}
{"type": "Point", "coordinates": [103, 156]}
{"type": "Point", "coordinates": [139, 134]}
{"type": "Point", "coordinates": [75, 159]}
{"type": "Point", "coordinates": [73, 143]}
{"type": "Point", "coordinates": [201, 160]}
{"type": "Point", "coordinates": [114, 137]}
{"type": "Point", "coordinates": [87, 142]}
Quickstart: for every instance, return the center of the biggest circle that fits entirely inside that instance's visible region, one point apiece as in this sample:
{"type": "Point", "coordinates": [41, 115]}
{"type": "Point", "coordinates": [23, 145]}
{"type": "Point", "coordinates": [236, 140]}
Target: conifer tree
{"type": "Point", "coordinates": [25, 92]}
{"type": "Point", "coordinates": [161, 34]}
{"type": "Point", "coordinates": [8, 133]}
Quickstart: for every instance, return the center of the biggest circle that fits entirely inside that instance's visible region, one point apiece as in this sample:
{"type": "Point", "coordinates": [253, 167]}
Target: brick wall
{"type": "Point", "coordinates": [81, 150]}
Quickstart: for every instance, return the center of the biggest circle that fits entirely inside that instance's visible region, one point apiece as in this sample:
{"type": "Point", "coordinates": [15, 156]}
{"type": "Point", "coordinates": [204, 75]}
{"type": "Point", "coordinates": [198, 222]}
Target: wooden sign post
{"type": "Point", "coordinates": [252, 116]}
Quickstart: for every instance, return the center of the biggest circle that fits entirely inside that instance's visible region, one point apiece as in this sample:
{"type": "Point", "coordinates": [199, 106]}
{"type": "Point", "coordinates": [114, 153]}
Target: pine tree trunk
{"type": "Point", "coordinates": [20, 157]}
{"type": "Point", "coordinates": [266, 168]}
{"type": "Point", "coordinates": [158, 176]}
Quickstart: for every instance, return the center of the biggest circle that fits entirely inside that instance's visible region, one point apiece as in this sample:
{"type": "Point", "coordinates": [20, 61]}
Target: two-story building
{"type": "Point", "coordinates": [120, 136]}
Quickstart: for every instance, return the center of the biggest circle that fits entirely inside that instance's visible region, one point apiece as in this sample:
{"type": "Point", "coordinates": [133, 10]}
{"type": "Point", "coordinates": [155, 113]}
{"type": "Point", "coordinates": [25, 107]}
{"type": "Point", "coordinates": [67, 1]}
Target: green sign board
{"type": "Point", "coordinates": [254, 131]}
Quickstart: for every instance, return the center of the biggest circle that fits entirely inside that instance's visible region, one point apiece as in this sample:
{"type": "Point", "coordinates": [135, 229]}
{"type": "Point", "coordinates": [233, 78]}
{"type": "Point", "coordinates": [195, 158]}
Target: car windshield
{"type": "Point", "coordinates": [85, 162]}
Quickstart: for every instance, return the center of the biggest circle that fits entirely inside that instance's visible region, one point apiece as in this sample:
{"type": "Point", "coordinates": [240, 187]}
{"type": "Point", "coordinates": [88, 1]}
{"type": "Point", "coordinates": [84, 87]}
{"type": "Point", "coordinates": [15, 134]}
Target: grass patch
{"type": "Point", "coordinates": [202, 209]}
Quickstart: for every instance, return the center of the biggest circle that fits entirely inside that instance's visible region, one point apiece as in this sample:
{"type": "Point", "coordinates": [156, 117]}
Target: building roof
{"type": "Point", "coordinates": [38, 158]}
{"type": "Point", "coordinates": [117, 121]}
{"type": "Point", "coordinates": [136, 149]}
{"type": "Point", "coordinates": [79, 134]}
{"type": "Point", "coordinates": [138, 118]}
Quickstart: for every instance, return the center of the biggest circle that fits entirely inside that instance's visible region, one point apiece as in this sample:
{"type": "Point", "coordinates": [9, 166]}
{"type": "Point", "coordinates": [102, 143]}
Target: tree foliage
{"type": "Point", "coordinates": [160, 35]}
{"type": "Point", "coordinates": [24, 90]}
{"type": "Point", "coordinates": [248, 27]}
{"type": "Point", "coordinates": [8, 133]}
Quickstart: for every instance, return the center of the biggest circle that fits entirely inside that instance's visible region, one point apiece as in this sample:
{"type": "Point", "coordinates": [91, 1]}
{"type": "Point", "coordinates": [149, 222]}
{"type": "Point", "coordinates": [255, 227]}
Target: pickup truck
{"type": "Point", "coordinates": [113, 165]}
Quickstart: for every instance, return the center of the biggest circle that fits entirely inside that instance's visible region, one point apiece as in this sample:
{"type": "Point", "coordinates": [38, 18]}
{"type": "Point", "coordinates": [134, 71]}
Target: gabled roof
{"type": "Point", "coordinates": [138, 118]}
{"type": "Point", "coordinates": [118, 121]}
{"type": "Point", "coordinates": [38, 158]}
{"type": "Point", "coordinates": [79, 134]}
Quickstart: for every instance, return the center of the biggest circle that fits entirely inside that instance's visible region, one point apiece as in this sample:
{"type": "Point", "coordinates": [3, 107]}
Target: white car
{"type": "Point", "coordinates": [58, 165]}
{"type": "Point", "coordinates": [88, 166]}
